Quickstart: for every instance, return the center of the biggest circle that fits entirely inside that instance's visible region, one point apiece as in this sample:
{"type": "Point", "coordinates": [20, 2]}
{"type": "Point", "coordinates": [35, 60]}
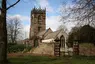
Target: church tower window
{"type": "Point", "coordinates": [39, 19]}
{"type": "Point", "coordinates": [39, 29]}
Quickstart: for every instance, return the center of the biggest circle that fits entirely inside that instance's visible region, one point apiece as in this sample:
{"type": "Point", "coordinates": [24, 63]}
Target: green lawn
{"type": "Point", "coordinates": [51, 60]}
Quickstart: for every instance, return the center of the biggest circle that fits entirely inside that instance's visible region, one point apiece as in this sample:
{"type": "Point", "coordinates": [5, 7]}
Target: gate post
{"type": "Point", "coordinates": [57, 47]}
{"type": "Point", "coordinates": [76, 47]}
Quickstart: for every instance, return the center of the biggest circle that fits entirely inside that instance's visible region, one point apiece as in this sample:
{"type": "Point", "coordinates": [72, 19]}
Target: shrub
{"type": "Point", "coordinates": [15, 47]}
{"type": "Point", "coordinates": [28, 48]}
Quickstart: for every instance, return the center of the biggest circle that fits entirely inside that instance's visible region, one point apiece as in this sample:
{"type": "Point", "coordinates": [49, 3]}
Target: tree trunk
{"type": "Point", "coordinates": [3, 34]}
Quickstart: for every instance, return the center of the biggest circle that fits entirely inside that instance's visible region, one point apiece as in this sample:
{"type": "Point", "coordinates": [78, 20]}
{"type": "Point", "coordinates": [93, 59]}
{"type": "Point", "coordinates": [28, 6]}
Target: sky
{"type": "Point", "coordinates": [53, 14]}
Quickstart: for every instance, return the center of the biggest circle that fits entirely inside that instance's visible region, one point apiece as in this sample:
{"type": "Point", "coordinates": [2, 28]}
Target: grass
{"type": "Point", "coordinates": [52, 60]}
{"type": "Point", "coordinates": [83, 60]}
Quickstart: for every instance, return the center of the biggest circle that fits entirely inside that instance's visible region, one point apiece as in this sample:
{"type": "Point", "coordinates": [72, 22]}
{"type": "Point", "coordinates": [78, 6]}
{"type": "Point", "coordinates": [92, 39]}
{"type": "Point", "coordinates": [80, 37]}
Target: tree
{"type": "Point", "coordinates": [82, 11]}
{"type": "Point", "coordinates": [3, 31]}
{"type": "Point", "coordinates": [87, 34]}
{"type": "Point", "coordinates": [84, 34]}
{"type": "Point", "coordinates": [62, 27]}
{"type": "Point", "coordinates": [13, 29]}
{"type": "Point", "coordinates": [73, 34]}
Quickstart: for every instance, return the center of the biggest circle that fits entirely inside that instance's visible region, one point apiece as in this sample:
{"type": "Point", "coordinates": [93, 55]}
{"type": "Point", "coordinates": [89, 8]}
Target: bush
{"type": "Point", "coordinates": [15, 47]}
{"type": "Point", "coordinates": [28, 48]}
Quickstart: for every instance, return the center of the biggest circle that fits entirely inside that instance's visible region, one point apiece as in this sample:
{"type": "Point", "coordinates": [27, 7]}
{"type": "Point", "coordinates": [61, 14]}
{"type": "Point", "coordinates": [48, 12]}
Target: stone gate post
{"type": "Point", "coordinates": [76, 47]}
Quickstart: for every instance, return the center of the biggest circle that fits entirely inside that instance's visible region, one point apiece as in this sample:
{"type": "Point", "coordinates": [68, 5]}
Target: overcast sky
{"type": "Point", "coordinates": [24, 7]}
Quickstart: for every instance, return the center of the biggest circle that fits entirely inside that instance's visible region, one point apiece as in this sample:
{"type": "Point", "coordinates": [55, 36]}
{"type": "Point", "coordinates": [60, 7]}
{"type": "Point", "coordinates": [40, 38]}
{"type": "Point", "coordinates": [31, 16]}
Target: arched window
{"type": "Point", "coordinates": [62, 41]}
{"type": "Point", "coordinates": [39, 17]}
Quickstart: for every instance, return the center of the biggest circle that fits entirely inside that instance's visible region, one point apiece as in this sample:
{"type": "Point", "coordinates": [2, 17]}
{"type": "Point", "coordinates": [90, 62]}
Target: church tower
{"type": "Point", "coordinates": [38, 24]}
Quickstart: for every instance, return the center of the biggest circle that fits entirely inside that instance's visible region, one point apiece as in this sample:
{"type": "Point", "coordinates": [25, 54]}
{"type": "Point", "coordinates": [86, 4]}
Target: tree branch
{"type": "Point", "coordinates": [12, 5]}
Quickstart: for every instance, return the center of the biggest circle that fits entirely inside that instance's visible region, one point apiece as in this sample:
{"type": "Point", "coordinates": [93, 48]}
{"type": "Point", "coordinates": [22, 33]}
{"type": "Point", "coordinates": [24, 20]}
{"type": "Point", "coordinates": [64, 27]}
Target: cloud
{"type": "Point", "coordinates": [70, 25]}
{"type": "Point", "coordinates": [26, 31]}
{"type": "Point", "coordinates": [64, 10]}
{"type": "Point", "coordinates": [22, 18]}
{"type": "Point", "coordinates": [53, 22]}
{"type": "Point", "coordinates": [44, 4]}
{"type": "Point", "coordinates": [65, 7]}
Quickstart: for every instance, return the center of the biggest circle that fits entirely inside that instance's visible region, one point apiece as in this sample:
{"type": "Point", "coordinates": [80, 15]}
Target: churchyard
{"type": "Point", "coordinates": [32, 59]}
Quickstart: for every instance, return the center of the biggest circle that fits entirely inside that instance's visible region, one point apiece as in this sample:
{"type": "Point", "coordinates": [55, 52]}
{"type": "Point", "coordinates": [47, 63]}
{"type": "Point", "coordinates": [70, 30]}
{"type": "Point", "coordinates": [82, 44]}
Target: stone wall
{"type": "Point", "coordinates": [44, 49]}
{"type": "Point", "coordinates": [87, 49]}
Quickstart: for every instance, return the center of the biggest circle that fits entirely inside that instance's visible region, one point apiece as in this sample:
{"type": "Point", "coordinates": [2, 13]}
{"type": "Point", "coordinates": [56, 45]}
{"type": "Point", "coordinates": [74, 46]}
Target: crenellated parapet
{"type": "Point", "coordinates": [38, 11]}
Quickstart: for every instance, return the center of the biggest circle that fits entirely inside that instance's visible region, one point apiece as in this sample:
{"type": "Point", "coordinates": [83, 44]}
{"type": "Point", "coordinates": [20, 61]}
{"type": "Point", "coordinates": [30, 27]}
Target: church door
{"type": "Point", "coordinates": [35, 42]}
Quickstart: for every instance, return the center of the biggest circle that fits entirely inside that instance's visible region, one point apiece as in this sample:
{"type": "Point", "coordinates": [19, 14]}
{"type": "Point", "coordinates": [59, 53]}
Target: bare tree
{"type": "Point", "coordinates": [85, 11]}
{"type": "Point", "coordinates": [3, 31]}
{"type": "Point", "coordinates": [82, 11]}
{"type": "Point", "coordinates": [62, 27]}
{"type": "Point", "coordinates": [13, 29]}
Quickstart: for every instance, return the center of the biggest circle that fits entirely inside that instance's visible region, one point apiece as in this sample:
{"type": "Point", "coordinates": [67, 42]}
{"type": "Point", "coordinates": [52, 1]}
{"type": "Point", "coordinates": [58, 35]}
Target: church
{"type": "Point", "coordinates": [44, 40]}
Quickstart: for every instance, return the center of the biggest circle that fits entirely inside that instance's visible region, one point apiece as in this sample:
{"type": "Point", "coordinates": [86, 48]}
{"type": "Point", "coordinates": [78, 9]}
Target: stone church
{"type": "Point", "coordinates": [42, 39]}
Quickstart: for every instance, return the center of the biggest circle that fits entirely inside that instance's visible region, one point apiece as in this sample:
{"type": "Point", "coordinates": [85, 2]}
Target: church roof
{"type": "Point", "coordinates": [49, 34]}
{"type": "Point", "coordinates": [56, 34]}
{"type": "Point", "coordinates": [43, 33]}
{"type": "Point", "coordinates": [52, 35]}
